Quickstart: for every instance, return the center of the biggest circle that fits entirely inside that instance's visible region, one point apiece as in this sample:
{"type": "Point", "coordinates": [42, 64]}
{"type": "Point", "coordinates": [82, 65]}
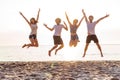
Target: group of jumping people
{"type": "Point", "coordinates": [74, 39]}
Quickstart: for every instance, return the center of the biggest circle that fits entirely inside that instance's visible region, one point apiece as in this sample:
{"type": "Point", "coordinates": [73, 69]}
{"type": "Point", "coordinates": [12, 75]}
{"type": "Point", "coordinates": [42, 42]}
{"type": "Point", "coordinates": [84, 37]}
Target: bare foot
{"type": "Point", "coordinates": [101, 55]}
{"type": "Point", "coordinates": [78, 40]}
{"type": "Point", "coordinates": [56, 51]}
{"type": "Point", "coordinates": [29, 46]}
{"type": "Point", "coordinates": [83, 56]}
{"type": "Point", "coordinates": [49, 53]}
{"type": "Point", "coordinates": [23, 45]}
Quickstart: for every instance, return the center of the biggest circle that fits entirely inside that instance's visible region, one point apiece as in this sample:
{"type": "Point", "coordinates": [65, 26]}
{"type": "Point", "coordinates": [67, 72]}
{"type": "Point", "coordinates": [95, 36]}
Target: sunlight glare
{"type": "Point", "coordinates": [72, 53]}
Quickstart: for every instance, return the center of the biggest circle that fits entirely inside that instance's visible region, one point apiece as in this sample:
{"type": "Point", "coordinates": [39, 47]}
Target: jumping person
{"type": "Point", "coordinates": [91, 32]}
{"type": "Point", "coordinates": [33, 35]}
{"type": "Point", "coordinates": [73, 31]}
{"type": "Point", "coordinates": [57, 35]}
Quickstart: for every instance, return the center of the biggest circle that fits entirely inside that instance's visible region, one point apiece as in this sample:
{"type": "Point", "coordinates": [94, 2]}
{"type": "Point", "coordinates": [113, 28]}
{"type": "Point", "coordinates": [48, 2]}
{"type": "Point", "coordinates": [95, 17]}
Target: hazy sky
{"type": "Point", "coordinates": [15, 31]}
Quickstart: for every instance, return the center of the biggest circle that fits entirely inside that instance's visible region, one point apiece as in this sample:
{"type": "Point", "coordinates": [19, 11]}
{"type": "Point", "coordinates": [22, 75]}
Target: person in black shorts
{"type": "Point", "coordinates": [33, 34]}
{"type": "Point", "coordinates": [91, 32]}
{"type": "Point", "coordinates": [57, 35]}
{"type": "Point", "coordinates": [92, 37]}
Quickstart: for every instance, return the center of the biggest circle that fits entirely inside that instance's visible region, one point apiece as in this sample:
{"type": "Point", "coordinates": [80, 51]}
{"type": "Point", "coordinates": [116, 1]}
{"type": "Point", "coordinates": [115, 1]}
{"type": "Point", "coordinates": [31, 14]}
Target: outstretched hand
{"type": "Point", "coordinates": [107, 15]}
{"type": "Point", "coordinates": [66, 14]}
{"type": "Point", "coordinates": [64, 22]}
{"type": "Point", "coordinates": [45, 25]}
{"type": "Point", "coordinates": [83, 10]}
{"type": "Point", "coordinates": [66, 28]}
{"type": "Point", "coordinates": [20, 13]}
{"type": "Point", "coordinates": [39, 10]}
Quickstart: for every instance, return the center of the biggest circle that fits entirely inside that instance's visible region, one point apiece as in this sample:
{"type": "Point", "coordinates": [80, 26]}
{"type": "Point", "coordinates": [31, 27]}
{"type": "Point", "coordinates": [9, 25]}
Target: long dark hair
{"type": "Point", "coordinates": [34, 20]}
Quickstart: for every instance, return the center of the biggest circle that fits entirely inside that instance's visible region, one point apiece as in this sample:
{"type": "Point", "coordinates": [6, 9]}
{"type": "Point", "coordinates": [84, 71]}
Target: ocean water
{"type": "Point", "coordinates": [16, 53]}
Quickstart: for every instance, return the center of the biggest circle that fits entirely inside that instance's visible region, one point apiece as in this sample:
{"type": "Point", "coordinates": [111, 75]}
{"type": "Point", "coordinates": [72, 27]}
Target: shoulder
{"type": "Point", "coordinates": [61, 25]}
{"type": "Point", "coordinates": [54, 26]}
{"type": "Point", "coordinates": [95, 22]}
{"type": "Point", "coordinates": [88, 22]}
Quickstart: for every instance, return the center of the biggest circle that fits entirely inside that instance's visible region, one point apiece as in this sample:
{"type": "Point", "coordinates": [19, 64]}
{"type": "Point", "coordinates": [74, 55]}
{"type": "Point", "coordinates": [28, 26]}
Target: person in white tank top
{"type": "Point", "coordinates": [91, 32]}
{"type": "Point", "coordinates": [33, 34]}
{"type": "Point", "coordinates": [57, 35]}
{"type": "Point", "coordinates": [34, 28]}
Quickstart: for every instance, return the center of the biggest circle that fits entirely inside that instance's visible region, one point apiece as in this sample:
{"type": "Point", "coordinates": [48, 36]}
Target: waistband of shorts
{"type": "Point", "coordinates": [73, 34]}
{"type": "Point", "coordinates": [33, 34]}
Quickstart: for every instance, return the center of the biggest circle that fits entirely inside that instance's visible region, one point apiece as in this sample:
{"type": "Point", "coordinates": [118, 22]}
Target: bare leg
{"type": "Point", "coordinates": [99, 47]}
{"type": "Point", "coordinates": [70, 43]}
{"type": "Point", "coordinates": [31, 44]}
{"type": "Point", "coordinates": [86, 47]}
{"type": "Point", "coordinates": [75, 43]}
{"type": "Point", "coordinates": [62, 45]}
{"type": "Point", "coordinates": [36, 43]}
{"type": "Point", "coordinates": [28, 45]}
{"type": "Point", "coordinates": [24, 45]}
{"type": "Point", "coordinates": [54, 47]}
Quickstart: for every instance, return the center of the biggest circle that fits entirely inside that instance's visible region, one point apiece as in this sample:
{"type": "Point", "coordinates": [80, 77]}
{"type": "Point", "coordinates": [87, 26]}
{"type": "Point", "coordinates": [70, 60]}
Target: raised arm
{"type": "Point", "coordinates": [24, 18]}
{"type": "Point", "coordinates": [84, 15]}
{"type": "Point", "coordinates": [102, 18]}
{"type": "Point", "coordinates": [66, 28]}
{"type": "Point", "coordinates": [38, 15]}
{"type": "Point", "coordinates": [80, 21]}
{"type": "Point", "coordinates": [51, 29]}
{"type": "Point", "coordinates": [67, 18]}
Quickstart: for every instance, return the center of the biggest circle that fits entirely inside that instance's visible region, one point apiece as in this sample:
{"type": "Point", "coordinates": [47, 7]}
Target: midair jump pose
{"type": "Point", "coordinates": [57, 35]}
{"type": "Point", "coordinates": [73, 31]}
{"type": "Point", "coordinates": [33, 35]}
{"type": "Point", "coordinates": [91, 32]}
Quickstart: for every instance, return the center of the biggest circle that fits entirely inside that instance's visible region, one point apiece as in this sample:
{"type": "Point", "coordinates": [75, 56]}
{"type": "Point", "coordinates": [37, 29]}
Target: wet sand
{"type": "Point", "coordinates": [60, 70]}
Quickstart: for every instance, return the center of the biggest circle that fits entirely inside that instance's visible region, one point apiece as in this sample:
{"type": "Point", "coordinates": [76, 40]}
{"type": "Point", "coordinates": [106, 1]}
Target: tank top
{"type": "Point", "coordinates": [33, 28]}
{"type": "Point", "coordinates": [73, 29]}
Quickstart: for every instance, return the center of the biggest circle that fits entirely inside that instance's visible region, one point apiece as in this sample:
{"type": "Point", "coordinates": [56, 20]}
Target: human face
{"type": "Point", "coordinates": [58, 21]}
{"type": "Point", "coordinates": [32, 20]}
{"type": "Point", "coordinates": [91, 18]}
{"type": "Point", "coordinates": [75, 21]}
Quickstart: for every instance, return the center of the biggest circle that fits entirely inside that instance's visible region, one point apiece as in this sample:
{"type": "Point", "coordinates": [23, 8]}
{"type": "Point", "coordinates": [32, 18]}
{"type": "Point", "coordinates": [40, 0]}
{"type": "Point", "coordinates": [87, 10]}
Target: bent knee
{"type": "Point", "coordinates": [36, 45]}
{"type": "Point", "coordinates": [62, 45]}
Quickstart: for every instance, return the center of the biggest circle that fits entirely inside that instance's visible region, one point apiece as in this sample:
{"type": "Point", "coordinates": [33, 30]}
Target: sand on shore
{"type": "Point", "coordinates": [60, 70]}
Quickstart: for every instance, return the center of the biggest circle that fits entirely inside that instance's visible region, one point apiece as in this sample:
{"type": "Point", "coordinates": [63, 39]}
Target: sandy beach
{"type": "Point", "coordinates": [60, 70]}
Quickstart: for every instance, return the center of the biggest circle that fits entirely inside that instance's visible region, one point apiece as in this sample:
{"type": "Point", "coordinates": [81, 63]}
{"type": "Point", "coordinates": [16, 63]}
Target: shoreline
{"type": "Point", "coordinates": [18, 61]}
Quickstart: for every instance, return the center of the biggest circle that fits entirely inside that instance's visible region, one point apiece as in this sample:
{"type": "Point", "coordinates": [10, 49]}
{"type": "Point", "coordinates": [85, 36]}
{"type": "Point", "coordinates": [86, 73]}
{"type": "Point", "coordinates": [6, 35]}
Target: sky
{"type": "Point", "coordinates": [15, 31]}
